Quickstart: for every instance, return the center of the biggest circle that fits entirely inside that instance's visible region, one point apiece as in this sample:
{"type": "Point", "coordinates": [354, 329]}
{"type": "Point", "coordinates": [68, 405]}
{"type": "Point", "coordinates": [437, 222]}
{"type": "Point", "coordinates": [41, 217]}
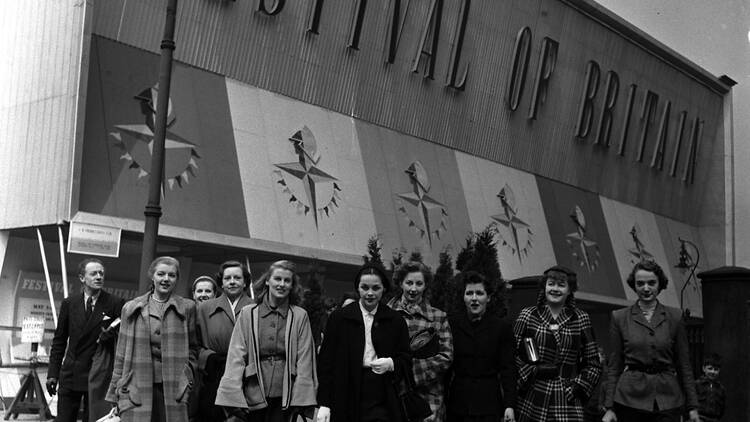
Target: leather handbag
{"type": "Point", "coordinates": [425, 343]}
{"type": "Point", "coordinates": [414, 406]}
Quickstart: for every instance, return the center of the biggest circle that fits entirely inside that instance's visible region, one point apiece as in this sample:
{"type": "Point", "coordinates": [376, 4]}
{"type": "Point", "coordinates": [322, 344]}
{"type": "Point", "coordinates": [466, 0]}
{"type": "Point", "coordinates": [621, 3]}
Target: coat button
{"type": "Point", "coordinates": [651, 333]}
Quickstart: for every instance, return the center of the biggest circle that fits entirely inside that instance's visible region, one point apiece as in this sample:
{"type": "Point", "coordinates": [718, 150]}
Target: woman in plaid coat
{"type": "Point", "coordinates": [429, 333]}
{"type": "Point", "coordinates": [556, 379]}
{"type": "Point", "coordinates": [157, 351]}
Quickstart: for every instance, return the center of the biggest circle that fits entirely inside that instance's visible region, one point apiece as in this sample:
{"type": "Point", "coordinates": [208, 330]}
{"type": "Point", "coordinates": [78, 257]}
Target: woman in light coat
{"type": "Point", "coordinates": [270, 369]}
{"type": "Point", "coordinates": [157, 351]}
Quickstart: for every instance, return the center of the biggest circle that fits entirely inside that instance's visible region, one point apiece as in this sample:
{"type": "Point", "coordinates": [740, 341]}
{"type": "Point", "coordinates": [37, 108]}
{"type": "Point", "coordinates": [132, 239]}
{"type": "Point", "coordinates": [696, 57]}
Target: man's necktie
{"type": "Point", "coordinates": [89, 307]}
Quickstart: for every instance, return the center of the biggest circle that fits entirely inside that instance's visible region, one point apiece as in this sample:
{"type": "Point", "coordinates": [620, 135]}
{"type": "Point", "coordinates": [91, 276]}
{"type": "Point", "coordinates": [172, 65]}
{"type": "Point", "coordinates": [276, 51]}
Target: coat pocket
{"type": "Point", "coordinates": [251, 386]}
{"type": "Point", "coordinates": [185, 385]}
{"type": "Point", "coordinates": [127, 393]}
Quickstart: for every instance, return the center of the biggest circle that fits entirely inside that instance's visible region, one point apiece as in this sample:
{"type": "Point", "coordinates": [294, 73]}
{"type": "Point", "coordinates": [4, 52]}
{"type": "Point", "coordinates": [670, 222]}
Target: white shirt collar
{"type": "Point", "coordinates": [366, 312]}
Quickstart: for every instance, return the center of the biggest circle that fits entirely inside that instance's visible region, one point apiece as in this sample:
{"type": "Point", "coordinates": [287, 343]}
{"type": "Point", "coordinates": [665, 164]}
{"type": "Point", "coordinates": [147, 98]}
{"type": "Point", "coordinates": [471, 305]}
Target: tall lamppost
{"type": "Point", "coordinates": [686, 262]}
{"type": "Point", "coordinates": [156, 182]}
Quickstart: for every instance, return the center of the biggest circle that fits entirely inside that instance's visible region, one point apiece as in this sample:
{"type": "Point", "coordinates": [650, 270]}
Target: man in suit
{"type": "Point", "coordinates": [85, 321]}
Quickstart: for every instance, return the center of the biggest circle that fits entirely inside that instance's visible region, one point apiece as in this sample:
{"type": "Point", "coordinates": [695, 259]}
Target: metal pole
{"type": "Point", "coordinates": [153, 207]}
{"type": "Point", "coordinates": [46, 277]}
{"type": "Point", "coordinates": [63, 266]}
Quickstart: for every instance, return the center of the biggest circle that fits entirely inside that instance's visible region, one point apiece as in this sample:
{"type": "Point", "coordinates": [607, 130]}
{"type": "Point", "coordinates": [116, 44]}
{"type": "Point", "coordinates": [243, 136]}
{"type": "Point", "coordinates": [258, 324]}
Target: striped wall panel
{"type": "Point", "coordinates": [40, 71]}
{"type": "Point", "coordinates": [276, 53]}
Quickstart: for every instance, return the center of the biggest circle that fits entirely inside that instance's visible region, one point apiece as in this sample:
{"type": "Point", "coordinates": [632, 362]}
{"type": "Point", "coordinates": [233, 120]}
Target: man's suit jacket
{"type": "Point", "coordinates": [76, 338]}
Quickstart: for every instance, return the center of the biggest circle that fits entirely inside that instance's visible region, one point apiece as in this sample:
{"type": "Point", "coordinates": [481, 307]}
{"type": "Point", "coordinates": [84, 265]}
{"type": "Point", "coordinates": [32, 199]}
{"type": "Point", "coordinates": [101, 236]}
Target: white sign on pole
{"type": "Point", "coordinates": [92, 239]}
{"type": "Point", "coordinates": [32, 329]}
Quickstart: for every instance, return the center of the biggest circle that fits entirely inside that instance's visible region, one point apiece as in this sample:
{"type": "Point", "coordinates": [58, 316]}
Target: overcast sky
{"type": "Point", "coordinates": [715, 34]}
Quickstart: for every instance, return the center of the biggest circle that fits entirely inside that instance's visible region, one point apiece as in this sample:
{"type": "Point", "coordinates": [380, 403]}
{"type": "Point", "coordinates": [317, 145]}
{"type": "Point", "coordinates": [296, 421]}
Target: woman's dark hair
{"type": "Point", "coordinates": [652, 267]}
{"type": "Point", "coordinates": [373, 269]}
{"type": "Point", "coordinates": [465, 278]}
{"type": "Point", "coordinates": [455, 304]}
{"type": "Point", "coordinates": [217, 291]}
{"type": "Point", "coordinates": [411, 267]}
{"type": "Point", "coordinates": [219, 277]}
{"type": "Point", "coordinates": [572, 284]}
{"type": "Point", "coordinates": [260, 286]}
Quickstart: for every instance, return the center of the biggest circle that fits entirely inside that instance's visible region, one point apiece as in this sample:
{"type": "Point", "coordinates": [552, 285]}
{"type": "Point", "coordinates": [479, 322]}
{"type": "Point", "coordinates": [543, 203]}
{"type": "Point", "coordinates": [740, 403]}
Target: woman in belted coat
{"type": "Point", "coordinates": [270, 369]}
{"type": "Point", "coordinates": [157, 351]}
{"type": "Point", "coordinates": [649, 375]}
{"type": "Point", "coordinates": [357, 365]}
{"type": "Point", "coordinates": [556, 381]}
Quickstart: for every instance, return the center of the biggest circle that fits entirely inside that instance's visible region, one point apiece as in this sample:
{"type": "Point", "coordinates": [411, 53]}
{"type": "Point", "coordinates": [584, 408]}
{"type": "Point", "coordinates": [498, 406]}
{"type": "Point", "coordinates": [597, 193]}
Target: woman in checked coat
{"type": "Point", "coordinates": [431, 342]}
{"type": "Point", "coordinates": [555, 381]}
{"type": "Point", "coordinates": [157, 351]}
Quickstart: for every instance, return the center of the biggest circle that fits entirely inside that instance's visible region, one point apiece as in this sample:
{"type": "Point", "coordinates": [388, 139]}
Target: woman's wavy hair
{"type": "Point", "coordinates": [541, 298]}
{"type": "Point", "coordinates": [650, 266]}
{"type": "Point", "coordinates": [162, 260]}
{"type": "Point", "coordinates": [219, 277]}
{"type": "Point", "coordinates": [295, 295]}
{"type": "Point", "coordinates": [455, 304]}
{"type": "Point", "coordinates": [412, 267]}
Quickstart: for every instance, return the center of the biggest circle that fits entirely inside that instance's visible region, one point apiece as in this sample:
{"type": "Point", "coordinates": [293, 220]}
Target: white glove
{"type": "Point", "coordinates": [381, 365]}
{"type": "Point", "coordinates": [324, 414]}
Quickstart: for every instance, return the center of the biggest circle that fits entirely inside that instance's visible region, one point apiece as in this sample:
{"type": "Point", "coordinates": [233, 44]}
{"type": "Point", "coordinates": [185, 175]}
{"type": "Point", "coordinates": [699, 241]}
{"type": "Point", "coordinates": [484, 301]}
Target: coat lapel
{"type": "Point", "coordinates": [96, 313]}
{"type": "Point", "coordinates": [660, 315]}
{"type": "Point", "coordinates": [638, 318]}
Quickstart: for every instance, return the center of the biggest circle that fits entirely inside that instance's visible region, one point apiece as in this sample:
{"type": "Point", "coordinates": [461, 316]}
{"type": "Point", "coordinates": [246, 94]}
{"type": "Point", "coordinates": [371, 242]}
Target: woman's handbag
{"type": "Point", "coordinates": [415, 407]}
{"type": "Point", "coordinates": [425, 343]}
{"type": "Point", "coordinates": [302, 414]}
{"type": "Point", "coordinates": [112, 416]}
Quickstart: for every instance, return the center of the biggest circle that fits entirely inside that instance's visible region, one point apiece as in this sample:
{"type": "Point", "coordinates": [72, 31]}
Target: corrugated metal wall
{"type": "Point", "coordinates": [39, 77]}
{"type": "Point", "coordinates": [278, 54]}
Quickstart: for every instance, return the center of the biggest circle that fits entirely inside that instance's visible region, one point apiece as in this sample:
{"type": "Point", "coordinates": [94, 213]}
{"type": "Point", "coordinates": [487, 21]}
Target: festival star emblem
{"type": "Point", "coordinates": [180, 162]}
{"type": "Point", "coordinates": [516, 234]}
{"type": "Point", "coordinates": [309, 187]}
{"type": "Point", "coordinates": [638, 252]}
{"type": "Point", "coordinates": [585, 250]}
{"type": "Point", "coordinates": [424, 213]}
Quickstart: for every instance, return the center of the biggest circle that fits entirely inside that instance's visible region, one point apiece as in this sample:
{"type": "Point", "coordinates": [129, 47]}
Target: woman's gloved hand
{"type": "Point", "coordinates": [324, 414]}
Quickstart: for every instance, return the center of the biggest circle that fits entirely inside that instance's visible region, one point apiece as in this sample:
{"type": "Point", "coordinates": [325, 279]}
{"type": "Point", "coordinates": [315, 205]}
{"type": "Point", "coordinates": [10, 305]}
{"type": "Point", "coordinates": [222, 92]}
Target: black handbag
{"type": "Point", "coordinates": [414, 406]}
{"type": "Point", "coordinates": [301, 414]}
{"type": "Point", "coordinates": [425, 344]}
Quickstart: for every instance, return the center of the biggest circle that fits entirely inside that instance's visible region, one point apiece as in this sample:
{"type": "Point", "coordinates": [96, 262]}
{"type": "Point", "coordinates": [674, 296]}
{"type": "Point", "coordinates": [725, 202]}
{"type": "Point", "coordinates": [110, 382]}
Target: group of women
{"type": "Point", "coordinates": [255, 359]}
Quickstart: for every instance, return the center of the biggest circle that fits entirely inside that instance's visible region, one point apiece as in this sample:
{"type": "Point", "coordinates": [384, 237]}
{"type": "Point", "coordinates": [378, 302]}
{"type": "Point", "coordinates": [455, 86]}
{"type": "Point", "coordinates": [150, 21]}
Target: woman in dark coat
{"type": "Point", "coordinates": [556, 386]}
{"type": "Point", "coordinates": [649, 376]}
{"type": "Point", "coordinates": [356, 376]}
{"type": "Point", "coordinates": [483, 376]}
